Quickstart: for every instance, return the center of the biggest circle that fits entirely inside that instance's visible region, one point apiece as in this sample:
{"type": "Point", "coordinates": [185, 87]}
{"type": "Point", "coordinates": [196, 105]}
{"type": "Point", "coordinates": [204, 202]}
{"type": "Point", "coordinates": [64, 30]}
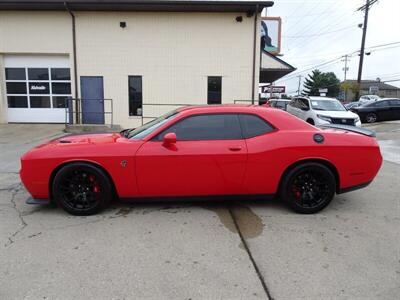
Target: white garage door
{"type": "Point", "coordinates": [37, 88]}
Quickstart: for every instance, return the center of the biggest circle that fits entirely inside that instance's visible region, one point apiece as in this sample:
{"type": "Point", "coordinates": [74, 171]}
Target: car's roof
{"type": "Point", "coordinates": [217, 107]}
{"type": "Point", "coordinates": [277, 117]}
{"type": "Point", "coordinates": [320, 98]}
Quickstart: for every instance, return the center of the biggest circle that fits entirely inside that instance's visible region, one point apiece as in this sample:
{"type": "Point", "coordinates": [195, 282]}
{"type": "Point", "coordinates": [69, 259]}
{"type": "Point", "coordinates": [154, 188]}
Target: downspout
{"type": "Point", "coordinates": [254, 56]}
{"type": "Point", "coordinates": [77, 116]}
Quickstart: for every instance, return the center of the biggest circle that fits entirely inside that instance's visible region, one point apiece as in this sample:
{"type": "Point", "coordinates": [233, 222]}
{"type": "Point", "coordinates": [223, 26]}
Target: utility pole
{"type": "Point", "coordinates": [364, 8]}
{"type": "Point", "coordinates": [298, 88]}
{"type": "Point", "coordinates": [345, 69]}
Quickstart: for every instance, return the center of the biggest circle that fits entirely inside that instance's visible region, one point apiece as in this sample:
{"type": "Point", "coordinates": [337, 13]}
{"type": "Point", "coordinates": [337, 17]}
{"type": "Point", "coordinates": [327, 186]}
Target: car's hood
{"type": "Point", "coordinates": [99, 138]}
{"type": "Point", "coordinates": [337, 114]}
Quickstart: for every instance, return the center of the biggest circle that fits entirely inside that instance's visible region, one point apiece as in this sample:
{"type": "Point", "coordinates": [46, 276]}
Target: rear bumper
{"type": "Point", "coordinates": [353, 188]}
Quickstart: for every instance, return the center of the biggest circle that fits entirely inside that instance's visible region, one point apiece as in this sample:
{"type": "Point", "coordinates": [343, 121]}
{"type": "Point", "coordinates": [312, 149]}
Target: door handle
{"type": "Point", "coordinates": [235, 148]}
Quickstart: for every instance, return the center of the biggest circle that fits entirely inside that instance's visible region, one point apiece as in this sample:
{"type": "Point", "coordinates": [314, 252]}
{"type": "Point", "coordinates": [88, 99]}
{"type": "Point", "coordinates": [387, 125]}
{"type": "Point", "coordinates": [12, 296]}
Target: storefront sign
{"type": "Point", "coordinates": [39, 88]}
{"type": "Point", "coordinates": [273, 89]}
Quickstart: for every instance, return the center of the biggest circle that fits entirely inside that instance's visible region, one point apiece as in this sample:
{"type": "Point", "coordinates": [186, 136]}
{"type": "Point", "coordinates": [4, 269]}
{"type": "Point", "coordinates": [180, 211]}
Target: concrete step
{"type": "Point", "coordinates": [91, 128]}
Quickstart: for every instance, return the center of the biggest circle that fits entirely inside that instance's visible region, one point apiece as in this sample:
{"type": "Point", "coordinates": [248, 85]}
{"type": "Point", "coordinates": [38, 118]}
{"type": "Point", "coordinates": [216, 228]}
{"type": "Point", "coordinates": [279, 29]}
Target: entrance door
{"type": "Point", "coordinates": [92, 97]}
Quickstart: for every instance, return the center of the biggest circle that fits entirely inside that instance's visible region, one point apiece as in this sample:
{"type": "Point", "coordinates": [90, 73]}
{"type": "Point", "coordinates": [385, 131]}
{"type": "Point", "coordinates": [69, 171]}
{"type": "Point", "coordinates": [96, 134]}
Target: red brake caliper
{"type": "Point", "coordinates": [95, 186]}
{"type": "Point", "coordinates": [296, 193]}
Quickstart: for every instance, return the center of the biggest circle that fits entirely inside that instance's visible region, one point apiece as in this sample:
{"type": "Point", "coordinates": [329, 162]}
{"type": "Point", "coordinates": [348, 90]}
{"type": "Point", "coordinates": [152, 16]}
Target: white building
{"type": "Point", "coordinates": [147, 56]}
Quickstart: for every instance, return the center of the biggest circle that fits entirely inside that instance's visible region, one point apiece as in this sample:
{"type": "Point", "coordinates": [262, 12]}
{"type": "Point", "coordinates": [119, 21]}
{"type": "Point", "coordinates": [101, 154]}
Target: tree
{"type": "Point", "coordinates": [318, 80]}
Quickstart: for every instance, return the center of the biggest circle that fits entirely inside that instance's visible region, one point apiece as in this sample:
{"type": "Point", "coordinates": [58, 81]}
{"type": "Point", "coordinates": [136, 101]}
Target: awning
{"type": "Point", "coordinates": [272, 68]}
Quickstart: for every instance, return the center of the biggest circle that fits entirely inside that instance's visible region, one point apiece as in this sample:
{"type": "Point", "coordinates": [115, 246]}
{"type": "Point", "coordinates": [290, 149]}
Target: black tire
{"type": "Point", "coordinates": [311, 121]}
{"type": "Point", "coordinates": [371, 118]}
{"type": "Point", "coordinates": [82, 189]}
{"type": "Point", "coordinates": [308, 187]}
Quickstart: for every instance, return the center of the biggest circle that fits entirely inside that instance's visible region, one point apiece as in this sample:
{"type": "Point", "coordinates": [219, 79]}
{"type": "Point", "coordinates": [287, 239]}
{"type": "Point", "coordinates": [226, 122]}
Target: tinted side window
{"type": "Point", "coordinates": [253, 126]}
{"type": "Point", "coordinates": [303, 103]}
{"type": "Point", "coordinates": [381, 104]}
{"type": "Point", "coordinates": [395, 102]}
{"type": "Point", "coordinates": [206, 127]}
{"type": "Point", "coordinates": [293, 103]}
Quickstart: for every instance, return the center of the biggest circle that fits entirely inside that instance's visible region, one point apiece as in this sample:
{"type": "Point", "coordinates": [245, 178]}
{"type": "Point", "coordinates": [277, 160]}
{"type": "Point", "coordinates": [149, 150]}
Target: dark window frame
{"type": "Point", "coordinates": [244, 134]}
{"type": "Point", "coordinates": [141, 96]}
{"type": "Point", "coordinates": [31, 69]}
{"type": "Point", "coordinates": [15, 79]}
{"type": "Point", "coordinates": [209, 101]}
{"type": "Point", "coordinates": [158, 137]}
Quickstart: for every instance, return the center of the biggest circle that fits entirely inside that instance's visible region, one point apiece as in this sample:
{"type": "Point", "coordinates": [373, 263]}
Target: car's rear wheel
{"type": "Point", "coordinates": [371, 118]}
{"type": "Point", "coordinates": [308, 187]}
{"type": "Point", "coordinates": [82, 189]}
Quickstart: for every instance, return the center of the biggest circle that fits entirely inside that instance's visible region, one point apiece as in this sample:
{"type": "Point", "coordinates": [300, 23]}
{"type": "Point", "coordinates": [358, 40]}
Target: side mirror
{"type": "Point", "coordinates": [169, 139]}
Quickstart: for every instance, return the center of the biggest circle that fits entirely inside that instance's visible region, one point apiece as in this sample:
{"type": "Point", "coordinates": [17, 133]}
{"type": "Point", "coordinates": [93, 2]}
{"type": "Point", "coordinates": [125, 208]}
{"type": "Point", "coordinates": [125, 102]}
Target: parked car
{"type": "Point", "coordinates": [322, 110]}
{"type": "Point", "coordinates": [279, 103]}
{"type": "Point", "coordinates": [352, 104]}
{"type": "Point", "coordinates": [383, 110]}
{"type": "Point", "coordinates": [368, 98]}
{"type": "Point", "coordinates": [204, 151]}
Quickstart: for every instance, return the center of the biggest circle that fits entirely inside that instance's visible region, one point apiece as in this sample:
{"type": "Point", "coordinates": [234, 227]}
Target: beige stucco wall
{"type": "Point", "coordinates": [174, 52]}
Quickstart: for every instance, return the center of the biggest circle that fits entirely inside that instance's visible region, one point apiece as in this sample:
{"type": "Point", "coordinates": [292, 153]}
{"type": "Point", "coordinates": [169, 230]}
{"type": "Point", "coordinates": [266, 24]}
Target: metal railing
{"type": "Point", "coordinates": [76, 114]}
{"type": "Point", "coordinates": [168, 107]}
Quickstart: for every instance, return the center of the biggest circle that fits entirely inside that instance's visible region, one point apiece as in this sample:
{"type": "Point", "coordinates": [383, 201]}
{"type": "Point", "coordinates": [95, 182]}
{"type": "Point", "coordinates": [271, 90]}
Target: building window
{"type": "Point", "coordinates": [33, 87]}
{"type": "Point", "coordinates": [214, 90]}
{"type": "Point", "coordinates": [135, 95]}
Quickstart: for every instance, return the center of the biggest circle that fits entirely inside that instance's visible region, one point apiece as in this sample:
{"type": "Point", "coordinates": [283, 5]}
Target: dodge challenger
{"type": "Point", "coordinates": [205, 152]}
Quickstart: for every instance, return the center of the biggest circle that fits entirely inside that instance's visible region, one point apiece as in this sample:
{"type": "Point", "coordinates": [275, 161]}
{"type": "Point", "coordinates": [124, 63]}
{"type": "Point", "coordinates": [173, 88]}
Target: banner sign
{"type": "Point", "coordinates": [271, 34]}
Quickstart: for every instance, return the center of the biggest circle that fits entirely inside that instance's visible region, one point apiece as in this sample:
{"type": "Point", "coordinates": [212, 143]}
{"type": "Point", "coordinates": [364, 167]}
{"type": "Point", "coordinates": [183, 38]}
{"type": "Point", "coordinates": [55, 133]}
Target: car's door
{"type": "Point", "coordinates": [293, 107]}
{"type": "Point", "coordinates": [382, 109]}
{"type": "Point", "coordinates": [208, 158]}
{"type": "Point", "coordinates": [304, 108]}
{"type": "Point", "coordinates": [395, 109]}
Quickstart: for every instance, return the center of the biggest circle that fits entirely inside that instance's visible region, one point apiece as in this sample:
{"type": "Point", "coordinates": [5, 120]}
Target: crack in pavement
{"type": "Point", "coordinates": [247, 249]}
{"type": "Point", "coordinates": [15, 191]}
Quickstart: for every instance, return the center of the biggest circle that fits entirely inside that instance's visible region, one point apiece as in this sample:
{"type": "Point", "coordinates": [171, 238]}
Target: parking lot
{"type": "Point", "coordinates": [240, 250]}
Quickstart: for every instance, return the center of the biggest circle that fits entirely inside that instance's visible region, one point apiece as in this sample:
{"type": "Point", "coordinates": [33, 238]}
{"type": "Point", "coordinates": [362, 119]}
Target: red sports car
{"type": "Point", "coordinates": [204, 151]}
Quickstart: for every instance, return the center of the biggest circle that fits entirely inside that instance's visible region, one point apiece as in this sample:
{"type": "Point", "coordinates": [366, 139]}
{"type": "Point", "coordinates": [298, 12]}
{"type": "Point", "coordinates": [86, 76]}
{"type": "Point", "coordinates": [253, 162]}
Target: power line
{"type": "Point", "coordinates": [318, 34]}
{"type": "Point", "coordinates": [293, 75]}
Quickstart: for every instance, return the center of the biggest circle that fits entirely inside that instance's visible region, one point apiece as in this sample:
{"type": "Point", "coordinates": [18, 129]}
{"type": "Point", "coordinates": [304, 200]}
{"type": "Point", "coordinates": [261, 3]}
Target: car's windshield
{"type": "Point", "coordinates": [144, 130]}
{"type": "Point", "coordinates": [331, 105]}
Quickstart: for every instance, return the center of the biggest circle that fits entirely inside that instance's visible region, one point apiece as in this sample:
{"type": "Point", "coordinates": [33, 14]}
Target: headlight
{"type": "Point", "coordinates": [357, 120]}
{"type": "Point", "coordinates": [325, 118]}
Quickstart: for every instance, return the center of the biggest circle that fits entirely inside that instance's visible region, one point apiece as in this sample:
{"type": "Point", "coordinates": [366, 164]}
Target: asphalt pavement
{"type": "Point", "coordinates": [240, 250]}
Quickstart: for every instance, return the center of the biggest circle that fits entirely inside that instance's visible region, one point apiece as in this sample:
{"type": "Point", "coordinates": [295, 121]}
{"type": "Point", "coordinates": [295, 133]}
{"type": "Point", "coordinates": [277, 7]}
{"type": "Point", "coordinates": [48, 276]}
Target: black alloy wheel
{"type": "Point", "coordinates": [371, 118]}
{"type": "Point", "coordinates": [82, 189]}
{"type": "Point", "coordinates": [308, 188]}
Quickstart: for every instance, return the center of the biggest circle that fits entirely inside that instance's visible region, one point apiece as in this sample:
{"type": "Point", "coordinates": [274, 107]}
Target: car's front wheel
{"type": "Point", "coordinates": [371, 118]}
{"type": "Point", "coordinates": [82, 189]}
{"type": "Point", "coordinates": [308, 187]}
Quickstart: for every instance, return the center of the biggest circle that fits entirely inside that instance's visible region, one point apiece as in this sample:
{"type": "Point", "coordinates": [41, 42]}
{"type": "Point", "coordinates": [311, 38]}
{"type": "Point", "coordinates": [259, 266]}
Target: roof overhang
{"type": "Point", "coordinates": [272, 68]}
{"type": "Point", "coordinates": [135, 5]}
